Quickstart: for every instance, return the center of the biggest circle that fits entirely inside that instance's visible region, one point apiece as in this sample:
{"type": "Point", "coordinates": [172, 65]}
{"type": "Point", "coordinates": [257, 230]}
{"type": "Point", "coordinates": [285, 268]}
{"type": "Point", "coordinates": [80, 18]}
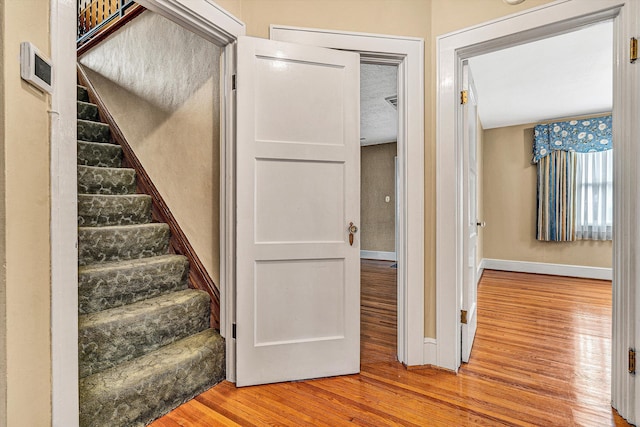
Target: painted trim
{"type": "Point", "coordinates": [202, 17]}
{"type": "Point", "coordinates": [227, 210]}
{"type": "Point", "coordinates": [64, 218]}
{"type": "Point", "coordinates": [408, 53]}
{"type": "Point", "coordinates": [598, 273]}
{"type": "Point", "coordinates": [385, 256]}
{"type": "Point", "coordinates": [451, 49]}
{"type": "Point", "coordinates": [625, 388]}
{"type": "Point", "coordinates": [430, 348]}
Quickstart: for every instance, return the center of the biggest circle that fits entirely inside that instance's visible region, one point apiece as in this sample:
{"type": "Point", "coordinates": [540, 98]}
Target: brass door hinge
{"type": "Point", "coordinates": [632, 361]}
{"type": "Point", "coordinates": [463, 316]}
{"type": "Point", "coordinates": [463, 97]}
{"type": "Point", "coordinates": [633, 50]}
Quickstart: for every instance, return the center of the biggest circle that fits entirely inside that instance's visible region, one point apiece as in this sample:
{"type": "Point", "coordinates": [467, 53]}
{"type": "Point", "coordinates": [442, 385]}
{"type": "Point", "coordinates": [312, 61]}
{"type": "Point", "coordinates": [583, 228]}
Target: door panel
{"type": "Point", "coordinates": [470, 215]}
{"type": "Point", "coordinates": [297, 190]}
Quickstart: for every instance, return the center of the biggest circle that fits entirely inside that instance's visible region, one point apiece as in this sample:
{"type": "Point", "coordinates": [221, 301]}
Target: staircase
{"type": "Point", "coordinates": [145, 345]}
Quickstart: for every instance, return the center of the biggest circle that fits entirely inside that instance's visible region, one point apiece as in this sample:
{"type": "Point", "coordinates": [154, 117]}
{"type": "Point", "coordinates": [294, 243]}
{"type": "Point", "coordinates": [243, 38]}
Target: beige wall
{"type": "Point", "coordinates": [161, 84]}
{"type": "Point", "coordinates": [378, 217]}
{"type": "Point", "coordinates": [24, 212]}
{"type": "Point", "coordinates": [510, 206]}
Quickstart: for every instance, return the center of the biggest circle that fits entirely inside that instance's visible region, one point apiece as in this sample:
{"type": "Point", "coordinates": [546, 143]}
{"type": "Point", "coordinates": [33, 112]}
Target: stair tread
{"type": "Point", "coordinates": [81, 93]}
{"type": "Point", "coordinates": [98, 168]}
{"type": "Point", "coordinates": [109, 285]}
{"type": "Point", "coordinates": [110, 337]}
{"type": "Point", "coordinates": [93, 131]}
{"type": "Point", "coordinates": [138, 391]}
{"type": "Point", "coordinates": [99, 154]}
{"type": "Point", "coordinates": [118, 314]}
{"type": "Point", "coordinates": [119, 242]}
{"type": "Point", "coordinates": [98, 210]}
{"type": "Point", "coordinates": [106, 180]}
{"type": "Point", "coordinates": [99, 144]}
{"type": "Point", "coordinates": [130, 263]}
{"type": "Point", "coordinates": [87, 111]}
{"type": "Point", "coordinates": [125, 227]}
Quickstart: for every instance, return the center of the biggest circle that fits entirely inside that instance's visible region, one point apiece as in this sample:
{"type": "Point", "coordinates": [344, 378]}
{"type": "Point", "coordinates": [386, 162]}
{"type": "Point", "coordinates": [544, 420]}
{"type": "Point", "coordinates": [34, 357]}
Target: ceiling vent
{"type": "Point", "coordinates": [393, 100]}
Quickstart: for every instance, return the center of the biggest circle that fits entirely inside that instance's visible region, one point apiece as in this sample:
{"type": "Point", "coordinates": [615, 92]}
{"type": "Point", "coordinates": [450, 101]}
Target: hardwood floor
{"type": "Point", "coordinates": [378, 308]}
{"type": "Point", "coordinates": [541, 358]}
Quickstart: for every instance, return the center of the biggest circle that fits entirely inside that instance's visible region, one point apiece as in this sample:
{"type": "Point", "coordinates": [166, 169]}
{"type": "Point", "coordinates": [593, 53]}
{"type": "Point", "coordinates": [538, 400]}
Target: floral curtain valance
{"type": "Point", "coordinates": [581, 136]}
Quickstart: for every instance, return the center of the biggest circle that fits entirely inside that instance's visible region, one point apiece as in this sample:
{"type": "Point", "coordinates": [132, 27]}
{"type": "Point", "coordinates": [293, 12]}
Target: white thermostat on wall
{"type": "Point", "coordinates": [35, 67]}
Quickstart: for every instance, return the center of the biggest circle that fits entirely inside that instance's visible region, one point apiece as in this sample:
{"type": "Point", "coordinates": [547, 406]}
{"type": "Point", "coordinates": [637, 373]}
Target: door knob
{"type": "Point", "coordinates": [352, 229]}
{"type": "Point", "coordinates": [481, 224]}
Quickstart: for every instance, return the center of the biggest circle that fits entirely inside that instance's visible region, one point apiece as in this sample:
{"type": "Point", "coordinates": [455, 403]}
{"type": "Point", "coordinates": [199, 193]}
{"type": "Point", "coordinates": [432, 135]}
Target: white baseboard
{"type": "Point", "coordinates": [429, 352]}
{"type": "Point", "coordinates": [386, 256]}
{"type": "Point", "coordinates": [545, 268]}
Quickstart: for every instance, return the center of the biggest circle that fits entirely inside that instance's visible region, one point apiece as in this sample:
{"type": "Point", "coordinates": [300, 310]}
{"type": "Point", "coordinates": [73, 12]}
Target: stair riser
{"type": "Point", "coordinates": [105, 288]}
{"type": "Point", "coordinates": [83, 95]}
{"type": "Point", "coordinates": [108, 244]}
{"type": "Point", "coordinates": [153, 385]}
{"type": "Point", "coordinates": [99, 154]}
{"type": "Point", "coordinates": [111, 337]}
{"type": "Point", "coordinates": [93, 131]}
{"type": "Point", "coordinates": [106, 180]}
{"type": "Point", "coordinates": [87, 111]}
{"type": "Point", "coordinates": [100, 210]}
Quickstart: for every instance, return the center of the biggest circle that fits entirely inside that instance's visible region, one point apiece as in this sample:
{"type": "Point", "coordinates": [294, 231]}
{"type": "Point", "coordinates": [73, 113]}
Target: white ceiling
{"type": "Point", "coordinates": [566, 75]}
{"type": "Point", "coordinates": [378, 118]}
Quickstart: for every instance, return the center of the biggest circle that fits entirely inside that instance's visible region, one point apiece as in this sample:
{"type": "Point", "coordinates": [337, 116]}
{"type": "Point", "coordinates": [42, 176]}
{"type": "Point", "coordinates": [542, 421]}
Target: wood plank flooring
{"type": "Point", "coordinates": [378, 307]}
{"type": "Point", "coordinates": [541, 358]}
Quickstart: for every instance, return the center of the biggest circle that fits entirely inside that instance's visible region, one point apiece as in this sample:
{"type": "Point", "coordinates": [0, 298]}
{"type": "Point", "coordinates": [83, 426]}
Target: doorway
{"type": "Point", "coordinates": [378, 212]}
{"type": "Point", "coordinates": [452, 49]}
{"type": "Point", "coordinates": [570, 86]}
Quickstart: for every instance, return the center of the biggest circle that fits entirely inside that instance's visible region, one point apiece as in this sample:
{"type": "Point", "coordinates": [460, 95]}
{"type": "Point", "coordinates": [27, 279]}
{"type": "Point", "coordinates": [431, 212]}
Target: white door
{"type": "Point", "coordinates": [297, 192]}
{"type": "Point", "coordinates": [469, 319]}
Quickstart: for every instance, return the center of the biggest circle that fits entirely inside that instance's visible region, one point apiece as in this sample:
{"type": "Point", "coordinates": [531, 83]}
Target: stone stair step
{"type": "Point", "coordinates": [100, 154]}
{"type": "Point", "coordinates": [109, 285]}
{"type": "Point", "coordinates": [110, 337]}
{"type": "Point", "coordinates": [93, 131]}
{"type": "Point", "coordinates": [121, 242]}
{"type": "Point", "coordinates": [141, 390]}
{"type": "Point", "coordinates": [98, 180]}
{"type": "Point", "coordinates": [96, 210]}
{"type": "Point", "coordinates": [83, 95]}
{"type": "Point", "coordinates": [87, 111]}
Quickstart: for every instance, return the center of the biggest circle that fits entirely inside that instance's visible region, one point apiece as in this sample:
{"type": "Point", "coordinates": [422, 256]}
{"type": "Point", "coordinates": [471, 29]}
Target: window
{"type": "Point", "coordinates": [594, 195]}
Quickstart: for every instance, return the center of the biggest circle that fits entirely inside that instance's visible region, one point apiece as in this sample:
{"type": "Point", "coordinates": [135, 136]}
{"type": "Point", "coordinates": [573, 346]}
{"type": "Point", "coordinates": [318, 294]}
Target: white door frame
{"type": "Point", "coordinates": [536, 23]}
{"type": "Point", "coordinates": [199, 16]}
{"type": "Point", "coordinates": [408, 54]}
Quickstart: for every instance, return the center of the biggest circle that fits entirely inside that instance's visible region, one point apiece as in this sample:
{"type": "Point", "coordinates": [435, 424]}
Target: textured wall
{"type": "Point", "coordinates": [377, 217]}
{"type": "Point", "coordinates": [161, 83]}
{"type": "Point", "coordinates": [510, 206]}
{"type": "Point", "coordinates": [24, 235]}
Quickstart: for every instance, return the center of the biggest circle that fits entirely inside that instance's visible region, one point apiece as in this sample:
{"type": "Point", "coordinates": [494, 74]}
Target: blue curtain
{"type": "Point", "coordinates": [557, 197]}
